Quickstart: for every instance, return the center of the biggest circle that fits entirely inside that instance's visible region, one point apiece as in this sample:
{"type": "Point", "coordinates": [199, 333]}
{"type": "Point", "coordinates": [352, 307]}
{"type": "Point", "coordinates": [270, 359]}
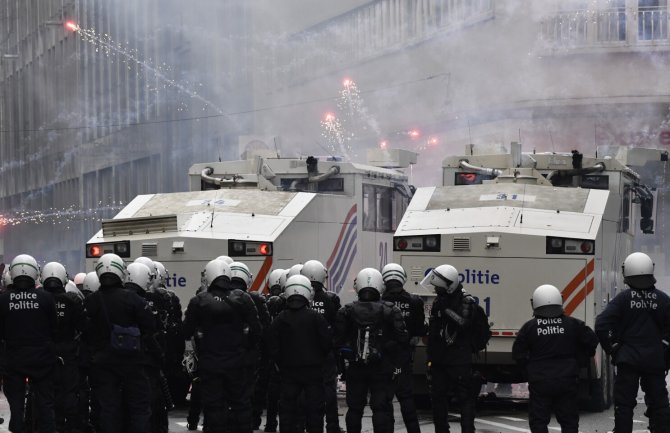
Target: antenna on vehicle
{"type": "Point", "coordinates": [551, 137]}
{"type": "Point", "coordinates": [470, 135]}
{"type": "Point", "coordinates": [523, 203]}
{"type": "Point", "coordinates": [595, 135]}
{"type": "Point", "coordinates": [274, 139]}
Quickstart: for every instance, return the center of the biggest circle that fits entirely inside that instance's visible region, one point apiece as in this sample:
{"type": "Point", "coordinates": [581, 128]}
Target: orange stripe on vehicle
{"type": "Point", "coordinates": [262, 274]}
{"type": "Point", "coordinates": [579, 298]}
{"type": "Point", "coordinates": [578, 280]}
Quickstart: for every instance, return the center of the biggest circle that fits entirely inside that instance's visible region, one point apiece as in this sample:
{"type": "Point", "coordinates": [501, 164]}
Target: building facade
{"type": "Point", "coordinates": [93, 97]}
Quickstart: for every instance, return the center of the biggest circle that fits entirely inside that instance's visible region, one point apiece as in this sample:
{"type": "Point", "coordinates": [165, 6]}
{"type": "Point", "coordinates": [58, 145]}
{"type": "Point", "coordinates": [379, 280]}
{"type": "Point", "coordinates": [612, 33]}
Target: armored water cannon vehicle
{"type": "Point", "coordinates": [510, 222]}
{"type": "Point", "coordinates": [268, 212]}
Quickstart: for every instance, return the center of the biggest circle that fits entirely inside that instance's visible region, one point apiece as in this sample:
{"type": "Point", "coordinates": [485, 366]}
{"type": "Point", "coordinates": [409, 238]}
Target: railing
{"type": "Point", "coordinates": [373, 30]}
{"type": "Point", "coordinates": [607, 28]}
{"type": "Point", "coordinates": [652, 23]}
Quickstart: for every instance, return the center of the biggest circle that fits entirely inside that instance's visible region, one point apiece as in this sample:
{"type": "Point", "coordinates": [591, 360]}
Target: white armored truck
{"type": "Point", "coordinates": [268, 212]}
{"type": "Point", "coordinates": [510, 222]}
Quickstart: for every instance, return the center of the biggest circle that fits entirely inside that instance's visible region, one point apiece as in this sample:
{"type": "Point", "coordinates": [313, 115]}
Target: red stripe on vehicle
{"type": "Point", "coordinates": [578, 280]}
{"type": "Point", "coordinates": [262, 275]}
{"type": "Point", "coordinates": [579, 298]}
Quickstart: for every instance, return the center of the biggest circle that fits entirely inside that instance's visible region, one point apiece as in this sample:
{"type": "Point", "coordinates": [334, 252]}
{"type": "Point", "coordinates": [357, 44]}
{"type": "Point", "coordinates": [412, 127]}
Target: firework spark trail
{"type": "Point", "coordinates": [90, 35]}
{"type": "Point", "coordinates": [57, 216]}
{"type": "Point", "coordinates": [351, 102]}
{"type": "Point", "coordinates": [335, 135]}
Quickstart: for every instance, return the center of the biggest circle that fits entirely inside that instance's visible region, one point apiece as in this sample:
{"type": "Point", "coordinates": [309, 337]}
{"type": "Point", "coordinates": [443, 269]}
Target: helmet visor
{"type": "Point", "coordinates": [434, 280]}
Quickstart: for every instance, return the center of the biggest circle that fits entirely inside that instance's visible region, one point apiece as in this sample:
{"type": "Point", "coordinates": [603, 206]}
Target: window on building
{"type": "Point", "coordinates": [383, 207]}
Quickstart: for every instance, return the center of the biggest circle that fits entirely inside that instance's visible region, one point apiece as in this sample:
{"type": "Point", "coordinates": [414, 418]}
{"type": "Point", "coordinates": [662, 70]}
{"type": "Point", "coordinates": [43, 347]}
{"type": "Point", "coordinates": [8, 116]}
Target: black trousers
{"type": "Point", "coordinates": [222, 391]}
{"type": "Point", "coordinates": [330, 389]}
{"type": "Point", "coordinates": [404, 392]}
{"type": "Point", "coordinates": [195, 406]}
{"type": "Point", "coordinates": [364, 379]}
{"type": "Point", "coordinates": [448, 381]}
{"type": "Point", "coordinates": [122, 392]}
{"type": "Point", "coordinates": [308, 382]}
{"type": "Point", "coordinates": [260, 391]}
{"type": "Point", "coordinates": [66, 381]}
{"type": "Point", "coordinates": [159, 412]}
{"type": "Point", "coordinates": [558, 396]}
{"type": "Point", "coordinates": [42, 390]}
{"type": "Point", "coordinates": [626, 383]}
{"type": "Point", "coordinates": [273, 396]}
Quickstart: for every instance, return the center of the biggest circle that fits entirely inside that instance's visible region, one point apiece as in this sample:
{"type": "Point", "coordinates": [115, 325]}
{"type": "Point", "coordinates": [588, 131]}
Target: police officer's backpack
{"type": "Point", "coordinates": [480, 328]}
{"type": "Point", "coordinates": [369, 341]}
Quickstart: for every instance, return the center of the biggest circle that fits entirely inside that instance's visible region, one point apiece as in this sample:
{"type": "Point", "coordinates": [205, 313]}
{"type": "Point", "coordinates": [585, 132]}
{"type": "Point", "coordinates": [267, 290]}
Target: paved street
{"type": "Point", "coordinates": [499, 417]}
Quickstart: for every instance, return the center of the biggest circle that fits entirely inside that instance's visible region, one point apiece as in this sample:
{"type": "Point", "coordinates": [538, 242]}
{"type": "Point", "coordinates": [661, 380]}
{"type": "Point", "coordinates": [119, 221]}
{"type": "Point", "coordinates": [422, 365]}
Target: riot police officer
{"type": "Point", "coordinates": [119, 320]}
{"type": "Point", "coordinates": [71, 323]}
{"type": "Point", "coordinates": [228, 322]}
{"type": "Point", "coordinates": [139, 280]}
{"type": "Point", "coordinates": [88, 408]}
{"type": "Point", "coordinates": [27, 325]}
{"type": "Point", "coordinates": [371, 334]}
{"type": "Point", "coordinates": [411, 307]}
{"type": "Point", "coordinates": [328, 304]}
{"type": "Point", "coordinates": [634, 329]}
{"type": "Point", "coordinates": [450, 348]}
{"type": "Point", "coordinates": [299, 341]}
{"type": "Point", "coordinates": [275, 303]}
{"type": "Point", "coordinates": [241, 279]}
{"type": "Point", "coordinates": [551, 348]}
{"type": "Point", "coordinates": [174, 340]}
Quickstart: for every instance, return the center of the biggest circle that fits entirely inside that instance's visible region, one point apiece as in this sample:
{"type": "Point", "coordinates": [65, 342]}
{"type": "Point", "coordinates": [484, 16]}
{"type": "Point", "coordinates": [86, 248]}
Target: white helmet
{"type": "Point", "coordinates": [71, 287]}
{"type": "Point", "coordinates": [215, 269]}
{"type": "Point", "coordinates": [444, 277]}
{"type": "Point", "coordinates": [299, 285]}
{"type": "Point", "coordinates": [394, 271]}
{"type": "Point", "coordinates": [638, 264]}
{"type": "Point", "coordinates": [162, 273]}
{"type": "Point", "coordinates": [79, 278]}
{"type": "Point", "coordinates": [547, 301]}
{"type": "Point", "coordinates": [241, 271]}
{"type": "Point", "coordinates": [54, 270]}
{"type": "Point", "coordinates": [149, 264]}
{"type": "Point", "coordinates": [315, 271]}
{"type": "Point", "coordinates": [226, 259]}
{"type": "Point", "coordinates": [140, 275]}
{"type": "Point", "coordinates": [91, 282]}
{"type": "Point", "coordinates": [24, 265]}
{"type": "Point", "coordinates": [294, 270]}
{"type": "Point", "coordinates": [282, 279]}
{"type": "Point", "coordinates": [275, 277]}
{"type": "Point", "coordinates": [111, 264]}
{"type": "Point", "coordinates": [369, 278]}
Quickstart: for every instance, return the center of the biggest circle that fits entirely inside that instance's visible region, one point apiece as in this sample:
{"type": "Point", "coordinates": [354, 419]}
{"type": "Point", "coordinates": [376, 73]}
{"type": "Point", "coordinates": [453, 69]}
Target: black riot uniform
{"type": "Point", "coordinates": [551, 349]}
{"type": "Point", "coordinates": [154, 359]}
{"type": "Point", "coordinates": [258, 359]}
{"type": "Point", "coordinates": [275, 304]}
{"type": "Point", "coordinates": [71, 323]}
{"type": "Point", "coordinates": [299, 341]}
{"type": "Point", "coordinates": [450, 358]}
{"type": "Point", "coordinates": [27, 325]}
{"type": "Point", "coordinates": [372, 372]}
{"type": "Point", "coordinates": [633, 328]}
{"type": "Point", "coordinates": [328, 304]}
{"type": "Point", "coordinates": [411, 308]}
{"type": "Point", "coordinates": [228, 322]}
{"type": "Point", "coordinates": [118, 379]}
{"type": "Point", "coordinates": [175, 346]}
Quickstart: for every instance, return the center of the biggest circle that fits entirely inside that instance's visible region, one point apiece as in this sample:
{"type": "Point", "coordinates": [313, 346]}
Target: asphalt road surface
{"type": "Point", "coordinates": [504, 415]}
